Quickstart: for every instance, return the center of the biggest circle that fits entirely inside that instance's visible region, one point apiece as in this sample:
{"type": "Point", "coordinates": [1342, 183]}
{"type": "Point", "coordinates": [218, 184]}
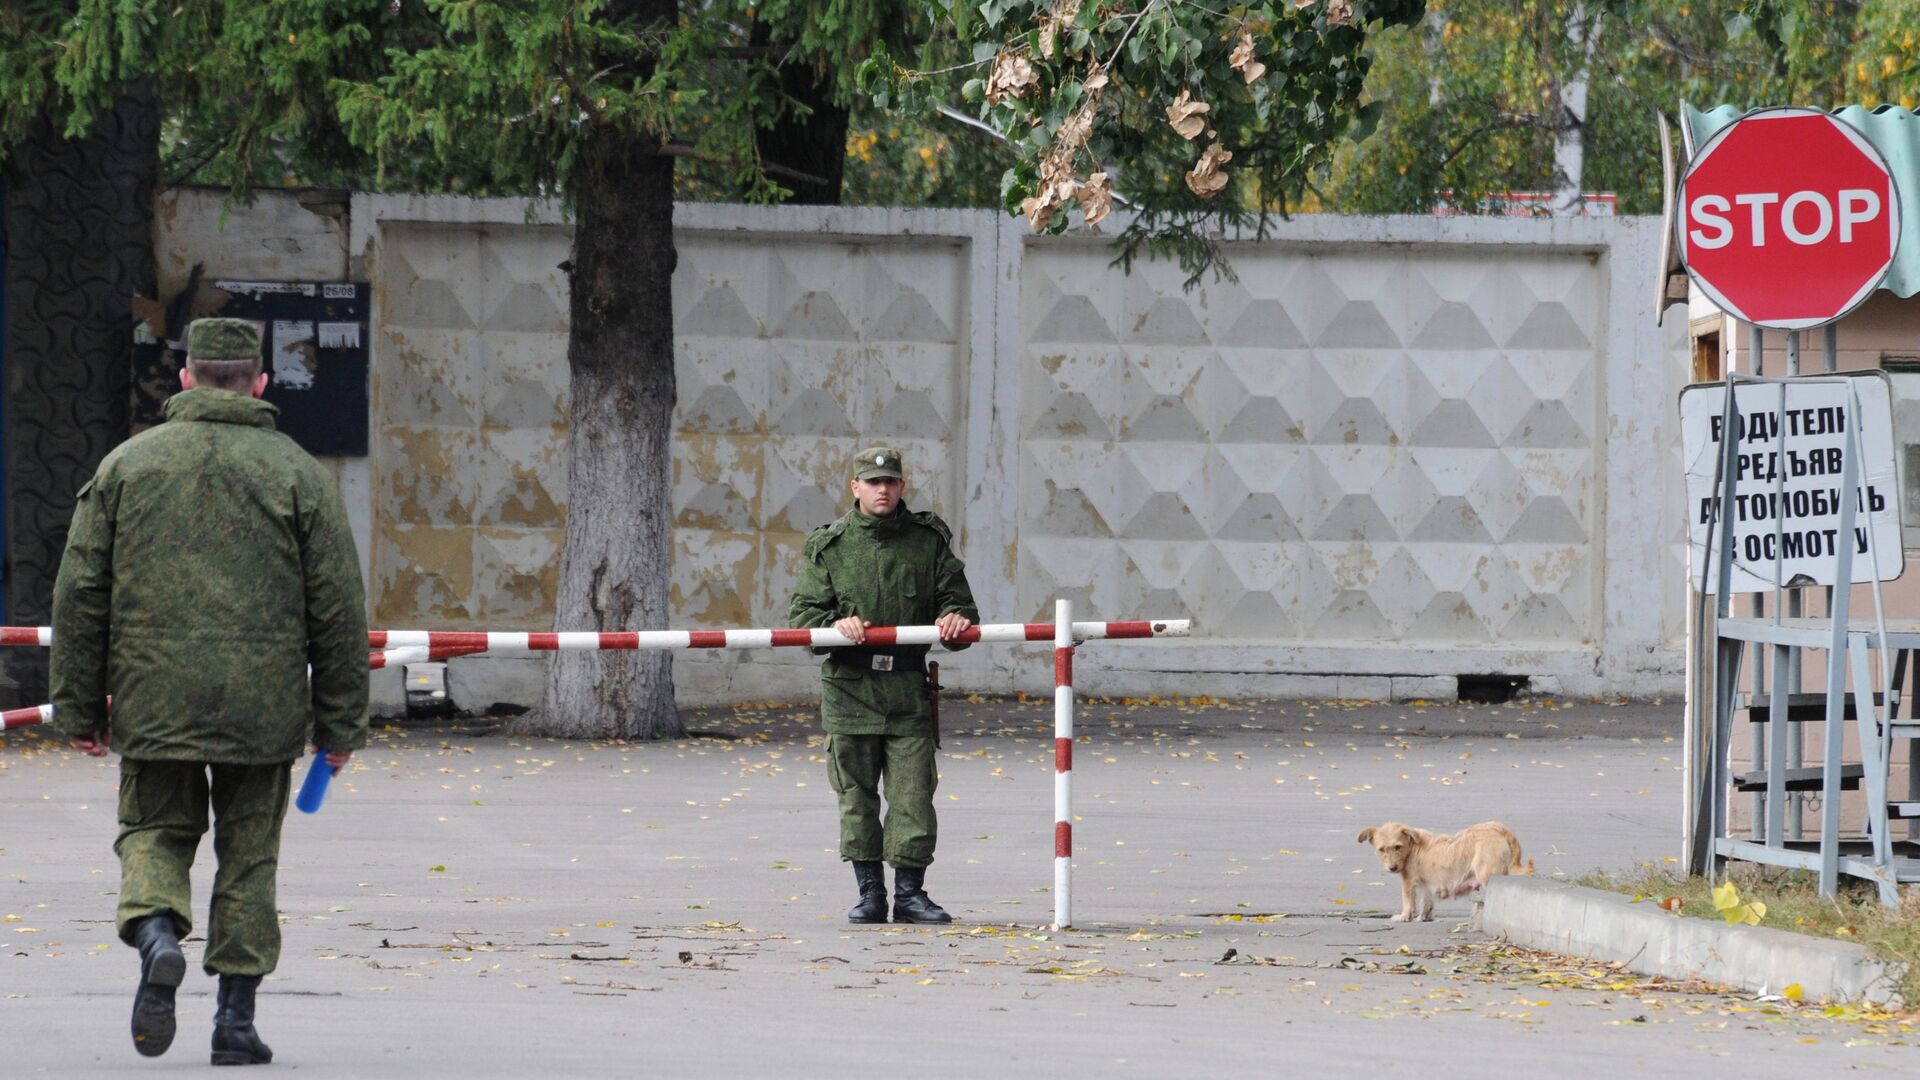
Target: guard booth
{"type": "Point", "coordinates": [1794, 246]}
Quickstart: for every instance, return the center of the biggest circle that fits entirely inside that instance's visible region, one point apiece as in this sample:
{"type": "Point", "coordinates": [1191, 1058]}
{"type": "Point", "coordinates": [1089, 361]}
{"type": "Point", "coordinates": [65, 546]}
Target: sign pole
{"type": "Point", "coordinates": [1757, 653]}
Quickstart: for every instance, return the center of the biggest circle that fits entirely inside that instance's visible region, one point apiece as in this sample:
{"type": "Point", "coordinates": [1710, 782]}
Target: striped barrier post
{"type": "Point", "coordinates": [1063, 764]}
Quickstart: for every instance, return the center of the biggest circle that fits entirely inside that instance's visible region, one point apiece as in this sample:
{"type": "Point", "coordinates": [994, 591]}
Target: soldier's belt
{"type": "Point", "coordinates": [862, 658]}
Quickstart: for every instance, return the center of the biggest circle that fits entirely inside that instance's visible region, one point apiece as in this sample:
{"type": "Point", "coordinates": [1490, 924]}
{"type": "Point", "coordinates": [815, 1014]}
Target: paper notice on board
{"type": "Point", "coordinates": [294, 361]}
{"type": "Point", "coordinates": [339, 335]}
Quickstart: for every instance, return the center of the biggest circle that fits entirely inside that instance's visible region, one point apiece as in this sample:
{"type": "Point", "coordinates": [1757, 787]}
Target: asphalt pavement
{"type": "Point", "coordinates": [473, 903]}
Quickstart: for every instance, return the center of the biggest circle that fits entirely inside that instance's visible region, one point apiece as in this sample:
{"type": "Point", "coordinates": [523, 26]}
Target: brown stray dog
{"type": "Point", "coordinates": [1432, 865]}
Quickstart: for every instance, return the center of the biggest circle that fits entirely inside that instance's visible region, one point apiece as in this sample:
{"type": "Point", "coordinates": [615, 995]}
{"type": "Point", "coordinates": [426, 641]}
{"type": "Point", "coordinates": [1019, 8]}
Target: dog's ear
{"type": "Point", "coordinates": [1366, 836]}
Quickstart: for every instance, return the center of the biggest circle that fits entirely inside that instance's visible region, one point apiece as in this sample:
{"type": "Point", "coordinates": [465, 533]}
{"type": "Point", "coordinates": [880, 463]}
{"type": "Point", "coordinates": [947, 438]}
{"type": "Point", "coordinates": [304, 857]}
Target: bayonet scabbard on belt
{"type": "Point", "coordinates": [933, 698]}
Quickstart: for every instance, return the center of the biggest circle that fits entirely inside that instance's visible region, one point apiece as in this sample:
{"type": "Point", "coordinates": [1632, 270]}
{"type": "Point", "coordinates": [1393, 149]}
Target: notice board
{"type": "Point", "coordinates": [314, 348]}
{"type": "Point", "coordinates": [313, 344]}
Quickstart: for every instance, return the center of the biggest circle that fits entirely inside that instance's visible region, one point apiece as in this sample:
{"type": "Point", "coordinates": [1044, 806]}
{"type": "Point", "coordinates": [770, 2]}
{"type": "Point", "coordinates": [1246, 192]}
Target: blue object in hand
{"type": "Point", "coordinates": [314, 788]}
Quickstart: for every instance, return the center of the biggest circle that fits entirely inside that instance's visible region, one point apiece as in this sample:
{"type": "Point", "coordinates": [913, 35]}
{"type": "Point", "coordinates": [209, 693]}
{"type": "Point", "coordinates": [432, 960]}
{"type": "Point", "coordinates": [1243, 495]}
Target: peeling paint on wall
{"type": "Point", "coordinates": [780, 381]}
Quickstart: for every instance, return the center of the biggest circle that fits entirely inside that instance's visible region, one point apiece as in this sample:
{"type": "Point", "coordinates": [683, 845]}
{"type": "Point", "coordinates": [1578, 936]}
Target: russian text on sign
{"type": "Point", "coordinates": [1789, 455]}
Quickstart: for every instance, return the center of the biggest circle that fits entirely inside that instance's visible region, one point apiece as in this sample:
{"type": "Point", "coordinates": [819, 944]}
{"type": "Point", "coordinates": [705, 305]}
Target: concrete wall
{"type": "Point", "coordinates": [282, 236]}
{"type": "Point", "coordinates": [1394, 451]}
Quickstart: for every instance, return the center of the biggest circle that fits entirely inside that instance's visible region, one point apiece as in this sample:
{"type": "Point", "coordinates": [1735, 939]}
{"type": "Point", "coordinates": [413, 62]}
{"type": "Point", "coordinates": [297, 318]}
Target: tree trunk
{"type": "Point", "coordinates": [615, 572]}
{"type": "Point", "coordinates": [1434, 42]}
{"type": "Point", "coordinates": [1570, 130]}
{"type": "Point", "coordinates": [76, 226]}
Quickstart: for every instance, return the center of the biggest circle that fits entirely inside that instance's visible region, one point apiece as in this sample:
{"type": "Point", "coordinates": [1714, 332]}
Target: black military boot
{"type": "Point", "coordinates": [872, 907]}
{"type": "Point", "coordinates": [162, 969]}
{"type": "Point", "coordinates": [234, 1040]}
{"type": "Point", "coordinates": [910, 900]}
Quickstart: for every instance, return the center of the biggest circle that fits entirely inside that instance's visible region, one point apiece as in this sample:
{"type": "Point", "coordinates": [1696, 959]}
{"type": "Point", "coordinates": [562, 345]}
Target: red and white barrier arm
{"type": "Point", "coordinates": [444, 643]}
{"type": "Point", "coordinates": [38, 714]}
{"type": "Point", "coordinates": [440, 644]}
{"type": "Point", "coordinates": [414, 654]}
{"type": "Point", "coordinates": [42, 714]}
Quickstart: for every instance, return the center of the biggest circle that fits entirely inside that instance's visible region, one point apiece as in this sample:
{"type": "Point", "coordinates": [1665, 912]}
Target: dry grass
{"type": "Point", "coordinates": [1794, 903]}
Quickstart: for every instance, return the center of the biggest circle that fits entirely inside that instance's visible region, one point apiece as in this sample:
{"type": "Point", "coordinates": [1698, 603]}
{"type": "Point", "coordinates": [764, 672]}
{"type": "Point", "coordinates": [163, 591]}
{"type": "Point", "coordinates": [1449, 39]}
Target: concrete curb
{"type": "Point", "coordinates": [1607, 926]}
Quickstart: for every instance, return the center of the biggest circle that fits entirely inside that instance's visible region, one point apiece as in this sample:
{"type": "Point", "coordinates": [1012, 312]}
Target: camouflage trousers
{"type": "Point", "coordinates": [163, 815]}
{"type": "Point", "coordinates": [857, 767]}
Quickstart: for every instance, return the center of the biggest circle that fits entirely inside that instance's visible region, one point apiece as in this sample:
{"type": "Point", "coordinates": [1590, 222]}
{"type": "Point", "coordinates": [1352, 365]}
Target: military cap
{"type": "Point", "coordinates": [878, 461]}
{"type": "Point", "coordinates": [223, 339]}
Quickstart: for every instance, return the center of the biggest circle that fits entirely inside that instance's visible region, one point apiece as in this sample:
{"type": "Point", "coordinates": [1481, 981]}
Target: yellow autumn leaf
{"type": "Point", "coordinates": [1725, 896]}
{"type": "Point", "coordinates": [1793, 992]}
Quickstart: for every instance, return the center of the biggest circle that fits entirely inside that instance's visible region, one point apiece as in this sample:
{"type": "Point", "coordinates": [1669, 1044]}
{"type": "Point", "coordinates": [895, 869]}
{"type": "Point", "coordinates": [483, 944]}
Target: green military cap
{"type": "Point", "coordinates": [223, 339]}
{"type": "Point", "coordinates": [878, 461]}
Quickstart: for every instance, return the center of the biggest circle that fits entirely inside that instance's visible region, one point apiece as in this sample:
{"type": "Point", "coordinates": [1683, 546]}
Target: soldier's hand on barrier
{"type": "Point", "coordinates": [338, 759]}
{"type": "Point", "coordinates": [95, 745]}
{"type": "Point", "coordinates": [952, 625]}
{"type": "Point", "coordinates": [853, 628]}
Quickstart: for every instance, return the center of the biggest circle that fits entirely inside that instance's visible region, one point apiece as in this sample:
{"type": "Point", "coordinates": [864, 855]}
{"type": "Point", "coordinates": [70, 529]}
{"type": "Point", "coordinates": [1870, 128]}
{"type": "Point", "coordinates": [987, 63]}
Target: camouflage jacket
{"type": "Point", "coordinates": [208, 564]}
{"type": "Point", "coordinates": [899, 570]}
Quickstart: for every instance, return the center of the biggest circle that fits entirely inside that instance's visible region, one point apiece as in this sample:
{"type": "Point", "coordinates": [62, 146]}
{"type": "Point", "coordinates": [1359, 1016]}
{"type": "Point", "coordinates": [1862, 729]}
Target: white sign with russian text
{"type": "Point", "coordinates": [1787, 495]}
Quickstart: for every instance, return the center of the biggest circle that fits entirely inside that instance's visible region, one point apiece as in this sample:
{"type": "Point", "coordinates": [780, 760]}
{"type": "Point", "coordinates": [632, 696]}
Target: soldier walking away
{"type": "Point", "coordinates": [209, 563]}
{"type": "Point", "coordinates": [883, 565]}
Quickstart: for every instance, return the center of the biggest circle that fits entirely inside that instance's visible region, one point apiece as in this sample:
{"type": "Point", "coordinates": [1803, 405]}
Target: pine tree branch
{"type": "Point", "coordinates": [687, 150]}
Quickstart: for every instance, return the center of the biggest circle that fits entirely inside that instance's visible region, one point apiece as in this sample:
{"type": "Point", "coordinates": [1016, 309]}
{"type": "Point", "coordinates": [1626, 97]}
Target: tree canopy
{"type": "Point", "coordinates": [1474, 95]}
{"type": "Point", "coordinates": [1155, 104]}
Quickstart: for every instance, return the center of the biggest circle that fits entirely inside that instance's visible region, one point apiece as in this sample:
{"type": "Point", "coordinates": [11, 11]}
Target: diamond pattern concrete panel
{"type": "Point", "coordinates": [789, 357]}
{"type": "Point", "coordinates": [1353, 446]}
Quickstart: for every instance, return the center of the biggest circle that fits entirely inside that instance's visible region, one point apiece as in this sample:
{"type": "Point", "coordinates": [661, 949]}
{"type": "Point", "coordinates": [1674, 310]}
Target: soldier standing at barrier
{"type": "Point", "coordinates": [883, 565]}
{"type": "Point", "coordinates": [208, 564]}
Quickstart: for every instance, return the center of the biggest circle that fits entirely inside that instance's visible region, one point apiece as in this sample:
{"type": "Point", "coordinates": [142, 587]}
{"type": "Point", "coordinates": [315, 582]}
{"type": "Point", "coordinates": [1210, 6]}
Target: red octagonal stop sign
{"type": "Point", "coordinates": [1788, 218]}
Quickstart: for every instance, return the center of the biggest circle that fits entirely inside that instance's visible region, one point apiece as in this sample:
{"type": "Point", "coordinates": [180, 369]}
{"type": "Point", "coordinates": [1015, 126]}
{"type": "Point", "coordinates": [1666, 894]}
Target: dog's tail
{"type": "Point", "coordinates": [1518, 867]}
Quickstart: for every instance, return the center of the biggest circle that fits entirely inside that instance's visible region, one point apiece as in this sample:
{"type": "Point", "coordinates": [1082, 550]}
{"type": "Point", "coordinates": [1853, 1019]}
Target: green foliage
{"type": "Point", "coordinates": [470, 96]}
{"type": "Point", "coordinates": [1081, 92]}
{"type": "Point", "coordinates": [29, 52]}
{"type": "Point", "coordinates": [743, 93]}
{"type": "Point", "coordinates": [1884, 65]}
{"type": "Point", "coordinates": [518, 87]}
{"type": "Point", "coordinates": [1469, 93]}
{"type": "Point", "coordinates": [244, 87]}
{"type": "Point", "coordinates": [894, 160]}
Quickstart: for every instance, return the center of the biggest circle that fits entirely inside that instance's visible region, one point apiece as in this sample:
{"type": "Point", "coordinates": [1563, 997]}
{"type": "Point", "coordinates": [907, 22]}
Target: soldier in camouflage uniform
{"type": "Point", "coordinates": [883, 565]}
{"type": "Point", "coordinates": [209, 563]}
